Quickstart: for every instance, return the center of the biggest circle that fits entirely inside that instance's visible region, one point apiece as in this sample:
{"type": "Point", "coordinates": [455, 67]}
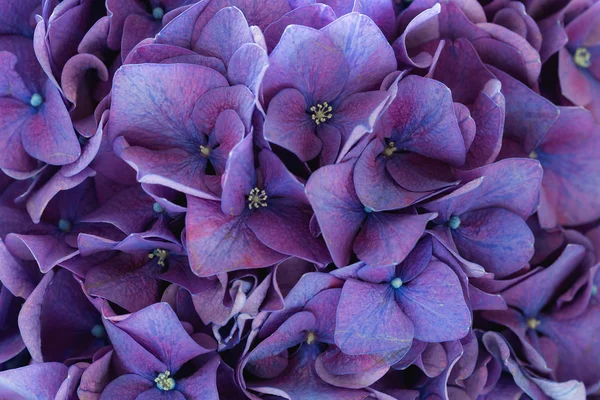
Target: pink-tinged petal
{"type": "Point", "coordinates": [528, 115]}
{"type": "Point", "coordinates": [158, 329]}
{"type": "Point", "coordinates": [340, 213]}
{"type": "Point", "coordinates": [423, 120]}
{"type": "Point", "coordinates": [12, 152]}
{"type": "Point", "coordinates": [498, 240]}
{"type": "Point", "coordinates": [435, 304]}
{"type": "Point", "coordinates": [284, 226]}
{"type": "Point", "coordinates": [119, 279]}
{"type": "Point", "coordinates": [374, 185]}
{"type": "Point", "coordinates": [225, 33]}
{"type": "Point", "coordinates": [369, 368]}
{"type": "Point", "coordinates": [96, 377]}
{"type": "Point", "coordinates": [35, 381]}
{"type": "Point", "coordinates": [239, 178]}
{"type": "Point", "coordinates": [323, 306]}
{"type": "Point", "coordinates": [288, 124]}
{"type": "Point", "coordinates": [457, 63]}
{"type": "Point", "coordinates": [135, 29]}
{"type": "Point", "coordinates": [229, 131]}
{"type": "Point", "coordinates": [47, 250]}
{"type": "Point", "coordinates": [488, 114]}
{"type": "Point", "coordinates": [269, 358]}
{"type": "Point", "coordinates": [38, 202]}
{"type": "Point", "coordinates": [466, 124]}
{"type": "Point", "coordinates": [203, 383]}
{"type": "Point", "coordinates": [68, 388]}
{"type": "Point", "coordinates": [278, 180]}
{"type": "Point", "coordinates": [569, 154]}
{"type": "Point", "coordinates": [526, 295]}
{"type": "Point", "coordinates": [575, 84]}
{"type": "Point", "coordinates": [509, 50]}
{"type": "Point", "coordinates": [165, 167]}
{"type": "Point", "coordinates": [386, 238]}
{"type": "Point", "coordinates": [307, 60]}
{"type": "Point", "coordinates": [18, 276]}
{"type": "Point", "coordinates": [48, 135]}
{"type": "Point", "coordinates": [249, 74]}
{"type": "Point", "coordinates": [512, 184]}
{"type": "Point", "coordinates": [127, 387]}
{"type": "Point", "coordinates": [151, 107]}
{"type": "Point", "coordinates": [313, 15]}
{"type": "Point", "coordinates": [89, 151]}
{"type": "Point", "coordinates": [419, 29]}
{"type": "Point", "coordinates": [420, 174]}
{"type": "Point", "coordinates": [356, 116]}
{"type": "Point", "coordinates": [365, 49]}
{"type": "Point", "coordinates": [578, 356]}
{"type": "Point", "coordinates": [370, 321]}
{"type": "Point", "coordinates": [218, 242]}
{"type": "Point", "coordinates": [167, 54]}
{"type": "Point", "coordinates": [381, 12]}
{"type": "Point", "coordinates": [208, 107]}
{"type": "Point", "coordinates": [331, 139]}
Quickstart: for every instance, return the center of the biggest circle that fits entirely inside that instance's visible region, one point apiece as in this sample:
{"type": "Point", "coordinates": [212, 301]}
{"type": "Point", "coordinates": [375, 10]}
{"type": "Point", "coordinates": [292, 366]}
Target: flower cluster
{"type": "Point", "coordinates": [299, 199]}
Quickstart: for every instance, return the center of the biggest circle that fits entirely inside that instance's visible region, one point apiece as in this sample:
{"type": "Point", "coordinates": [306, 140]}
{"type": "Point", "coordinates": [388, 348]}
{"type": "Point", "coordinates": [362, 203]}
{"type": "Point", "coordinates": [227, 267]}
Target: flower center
{"type": "Point", "coordinates": [583, 57]}
{"type": "Point", "coordinates": [164, 382]}
{"type": "Point", "coordinates": [161, 254]}
{"type": "Point", "coordinates": [158, 13]}
{"type": "Point", "coordinates": [98, 331]}
{"type": "Point", "coordinates": [36, 100]}
{"type": "Point", "coordinates": [157, 208]}
{"type": "Point", "coordinates": [368, 209]}
{"type": "Point", "coordinates": [321, 113]}
{"type": "Point", "coordinates": [594, 290]}
{"type": "Point", "coordinates": [64, 225]}
{"type": "Point", "coordinates": [533, 155]}
{"type": "Point", "coordinates": [310, 337]}
{"type": "Point", "coordinates": [533, 323]}
{"type": "Point", "coordinates": [205, 151]}
{"type": "Point", "coordinates": [454, 222]}
{"type": "Point", "coordinates": [257, 198]}
{"type": "Point", "coordinates": [396, 283]}
{"type": "Point", "coordinates": [390, 149]}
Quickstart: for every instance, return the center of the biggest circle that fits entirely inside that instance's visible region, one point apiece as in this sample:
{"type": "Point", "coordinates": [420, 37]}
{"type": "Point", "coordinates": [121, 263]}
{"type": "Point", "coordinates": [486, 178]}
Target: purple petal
{"type": "Point", "coordinates": [340, 213]}
{"type": "Point", "coordinates": [435, 304]}
{"type": "Point", "coordinates": [35, 381]}
{"type": "Point", "coordinates": [369, 320]}
{"type": "Point", "coordinates": [219, 242]}
{"type": "Point", "coordinates": [127, 387]}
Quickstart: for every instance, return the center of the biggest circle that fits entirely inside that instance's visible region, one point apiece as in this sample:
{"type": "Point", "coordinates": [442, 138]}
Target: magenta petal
{"type": "Point", "coordinates": [386, 238]}
{"type": "Point", "coordinates": [208, 107]}
{"type": "Point", "coordinates": [218, 242]}
{"type": "Point", "coordinates": [48, 250]}
{"type": "Point", "coordinates": [435, 304]}
{"type": "Point", "coordinates": [370, 321]}
{"type": "Point", "coordinates": [370, 369]}
{"type": "Point", "coordinates": [229, 131]}
{"type": "Point", "coordinates": [240, 72]}
{"type": "Point", "coordinates": [289, 125]}
{"type": "Point", "coordinates": [498, 240]}
{"type": "Point", "coordinates": [18, 276]}
{"type": "Point", "coordinates": [340, 213]}
{"type": "Point", "coordinates": [419, 174]}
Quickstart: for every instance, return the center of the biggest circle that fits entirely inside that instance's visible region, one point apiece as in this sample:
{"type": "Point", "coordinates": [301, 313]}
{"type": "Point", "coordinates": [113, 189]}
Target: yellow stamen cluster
{"type": "Point", "coordinates": [205, 151]}
{"type": "Point", "coordinates": [257, 198]}
{"type": "Point", "coordinates": [321, 113]}
{"type": "Point", "coordinates": [533, 323]}
{"type": "Point", "coordinates": [583, 57]}
{"type": "Point", "coordinates": [310, 337]}
{"type": "Point", "coordinates": [390, 149]}
{"type": "Point", "coordinates": [164, 381]}
{"type": "Point", "coordinates": [161, 254]}
{"type": "Point", "coordinates": [533, 155]}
